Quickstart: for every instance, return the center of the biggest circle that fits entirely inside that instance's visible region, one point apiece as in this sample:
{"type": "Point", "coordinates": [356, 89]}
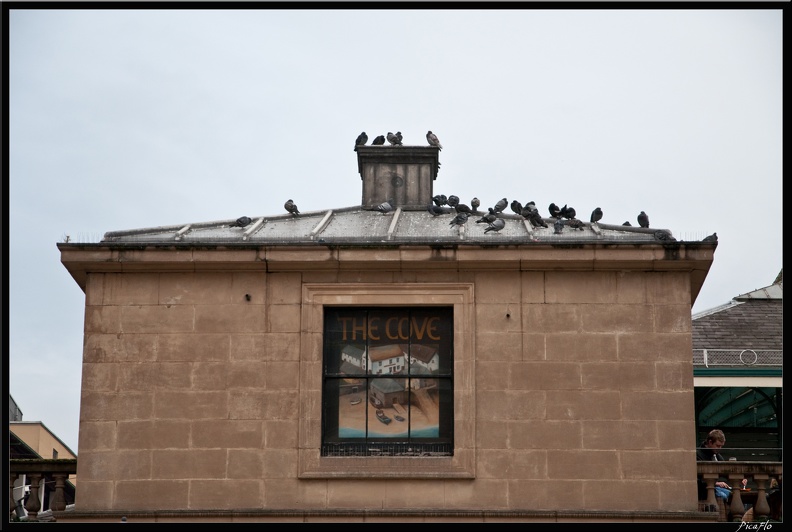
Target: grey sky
{"type": "Point", "coordinates": [132, 119]}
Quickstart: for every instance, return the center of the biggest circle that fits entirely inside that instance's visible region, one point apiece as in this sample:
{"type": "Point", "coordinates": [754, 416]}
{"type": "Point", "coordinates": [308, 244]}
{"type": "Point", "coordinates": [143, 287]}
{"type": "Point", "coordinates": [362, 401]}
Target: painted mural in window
{"type": "Point", "coordinates": [388, 381]}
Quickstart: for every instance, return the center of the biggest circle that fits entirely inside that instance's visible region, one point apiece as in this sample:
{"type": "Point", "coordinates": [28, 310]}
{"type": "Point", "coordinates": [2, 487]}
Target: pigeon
{"type": "Point", "coordinates": [627, 223]}
{"type": "Point", "coordinates": [475, 204]}
{"type": "Point", "coordinates": [393, 139]}
{"type": "Point", "coordinates": [432, 139]}
{"type": "Point", "coordinates": [378, 141]}
{"type": "Point", "coordinates": [568, 212]}
{"type": "Point", "coordinates": [440, 200]}
{"type": "Point", "coordinates": [536, 219]}
{"type": "Point", "coordinates": [502, 204]}
{"type": "Point", "coordinates": [242, 221]}
{"type": "Point", "coordinates": [361, 140]}
{"type": "Point", "coordinates": [488, 218]}
{"type": "Point", "coordinates": [399, 137]}
{"type": "Point", "coordinates": [453, 200]}
{"type": "Point", "coordinates": [643, 219]}
{"type": "Point", "coordinates": [496, 225]}
{"type": "Point", "coordinates": [555, 212]}
{"type": "Point", "coordinates": [596, 215]}
{"type": "Point", "coordinates": [385, 207]}
{"type": "Point", "coordinates": [435, 210]}
{"type": "Point", "coordinates": [516, 207]}
{"type": "Point", "coordinates": [574, 223]}
{"type": "Point", "coordinates": [459, 219]}
{"type": "Point", "coordinates": [664, 236]}
{"type": "Point", "coordinates": [461, 207]}
{"type": "Point", "coordinates": [558, 226]}
{"type": "Point", "coordinates": [527, 212]}
{"type": "Point", "coordinates": [530, 205]}
{"type": "Point", "coordinates": [712, 238]}
{"type": "Point", "coordinates": [291, 207]}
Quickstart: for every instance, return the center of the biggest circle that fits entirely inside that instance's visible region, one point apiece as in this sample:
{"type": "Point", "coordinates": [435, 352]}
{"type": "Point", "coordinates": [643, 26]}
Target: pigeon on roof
{"type": "Point", "coordinates": [385, 207]}
{"type": "Point", "coordinates": [475, 204]}
{"type": "Point", "coordinates": [496, 225]}
{"type": "Point", "coordinates": [627, 223]}
{"type": "Point", "coordinates": [440, 200]}
{"type": "Point", "coordinates": [432, 139]}
{"type": "Point", "coordinates": [453, 200]}
{"type": "Point", "coordinates": [361, 140]}
{"type": "Point", "coordinates": [378, 141]}
{"type": "Point", "coordinates": [664, 236]}
{"type": "Point", "coordinates": [558, 226]}
{"type": "Point", "coordinates": [399, 137]}
{"type": "Point", "coordinates": [531, 205]}
{"type": "Point", "coordinates": [459, 219]}
{"type": "Point", "coordinates": [488, 218]}
{"type": "Point", "coordinates": [574, 223]}
{"type": "Point", "coordinates": [712, 238]}
{"type": "Point", "coordinates": [516, 207]}
{"type": "Point", "coordinates": [291, 207]}
{"type": "Point", "coordinates": [393, 139]}
{"type": "Point", "coordinates": [502, 204]}
{"type": "Point", "coordinates": [242, 221]}
{"type": "Point", "coordinates": [568, 212]}
{"type": "Point", "coordinates": [435, 210]}
{"type": "Point", "coordinates": [536, 219]}
{"type": "Point", "coordinates": [461, 207]}
{"type": "Point", "coordinates": [555, 212]}
{"type": "Point", "coordinates": [643, 219]}
{"type": "Point", "coordinates": [596, 215]}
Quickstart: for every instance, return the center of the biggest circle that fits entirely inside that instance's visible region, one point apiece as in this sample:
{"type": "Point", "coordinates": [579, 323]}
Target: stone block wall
{"type": "Point", "coordinates": [196, 387]}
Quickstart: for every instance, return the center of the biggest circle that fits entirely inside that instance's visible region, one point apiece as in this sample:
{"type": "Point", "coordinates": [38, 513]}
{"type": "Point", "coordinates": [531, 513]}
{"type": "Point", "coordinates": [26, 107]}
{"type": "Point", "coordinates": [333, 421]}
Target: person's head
{"type": "Point", "coordinates": [715, 439]}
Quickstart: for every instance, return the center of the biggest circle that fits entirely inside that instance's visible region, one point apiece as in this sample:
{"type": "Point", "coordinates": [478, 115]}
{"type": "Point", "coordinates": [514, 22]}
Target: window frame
{"type": "Point", "coordinates": [315, 296]}
{"type": "Point", "coordinates": [373, 439]}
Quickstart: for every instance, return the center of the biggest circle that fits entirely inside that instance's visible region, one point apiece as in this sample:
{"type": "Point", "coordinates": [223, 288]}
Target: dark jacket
{"type": "Point", "coordinates": [706, 454]}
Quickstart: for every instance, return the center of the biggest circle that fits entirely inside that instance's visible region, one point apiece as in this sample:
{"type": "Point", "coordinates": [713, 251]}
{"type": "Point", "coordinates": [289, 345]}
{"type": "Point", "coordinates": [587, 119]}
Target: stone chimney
{"type": "Point", "coordinates": [404, 174]}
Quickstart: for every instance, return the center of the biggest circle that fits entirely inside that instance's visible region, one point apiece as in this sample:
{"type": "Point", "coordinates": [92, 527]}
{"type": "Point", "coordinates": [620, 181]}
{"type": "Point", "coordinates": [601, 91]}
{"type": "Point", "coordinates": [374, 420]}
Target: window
{"type": "Point", "coordinates": [388, 382]}
{"type": "Point", "coordinates": [748, 415]}
{"type": "Point", "coordinates": [456, 411]}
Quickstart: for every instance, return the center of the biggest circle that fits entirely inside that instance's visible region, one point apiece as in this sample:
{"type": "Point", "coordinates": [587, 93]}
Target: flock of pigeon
{"type": "Point", "coordinates": [395, 139]}
{"type": "Point", "coordinates": [565, 216]}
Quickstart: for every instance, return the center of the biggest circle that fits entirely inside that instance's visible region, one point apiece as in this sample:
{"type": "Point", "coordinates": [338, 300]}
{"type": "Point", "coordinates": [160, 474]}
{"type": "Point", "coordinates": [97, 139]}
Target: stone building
{"type": "Point", "coordinates": [531, 375]}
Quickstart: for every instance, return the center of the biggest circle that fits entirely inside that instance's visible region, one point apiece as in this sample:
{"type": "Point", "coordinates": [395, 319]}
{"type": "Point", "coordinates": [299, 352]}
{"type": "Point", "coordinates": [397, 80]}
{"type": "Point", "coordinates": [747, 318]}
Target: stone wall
{"type": "Point", "coordinates": [573, 390]}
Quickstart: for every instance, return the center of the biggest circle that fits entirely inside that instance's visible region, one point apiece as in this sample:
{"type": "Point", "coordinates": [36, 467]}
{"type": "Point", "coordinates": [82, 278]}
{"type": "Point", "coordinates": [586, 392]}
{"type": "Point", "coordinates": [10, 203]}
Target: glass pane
{"type": "Point", "coordinates": [388, 415]}
{"type": "Point", "coordinates": [352, 408]}
{"type": "Point", "coordinates": [424, 408]}
{"type": "Point", "coordinates": [344, 341]}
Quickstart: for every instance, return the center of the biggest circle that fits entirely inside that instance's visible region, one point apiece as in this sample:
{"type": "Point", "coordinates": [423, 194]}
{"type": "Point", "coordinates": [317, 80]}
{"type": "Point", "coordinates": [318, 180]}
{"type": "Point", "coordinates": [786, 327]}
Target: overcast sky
{"type": "Point", "coordinates": [135, 119]}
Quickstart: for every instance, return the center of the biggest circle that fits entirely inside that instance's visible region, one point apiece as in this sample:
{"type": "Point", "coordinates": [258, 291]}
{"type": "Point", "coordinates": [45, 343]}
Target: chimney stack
{"type": "Point", "coordinates": [404, 174]}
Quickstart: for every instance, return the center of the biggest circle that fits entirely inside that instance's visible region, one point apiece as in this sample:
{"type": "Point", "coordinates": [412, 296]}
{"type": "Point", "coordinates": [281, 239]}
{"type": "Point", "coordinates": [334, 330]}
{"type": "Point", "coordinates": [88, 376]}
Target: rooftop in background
{"type": "Point", "coordinates": [744, 334]}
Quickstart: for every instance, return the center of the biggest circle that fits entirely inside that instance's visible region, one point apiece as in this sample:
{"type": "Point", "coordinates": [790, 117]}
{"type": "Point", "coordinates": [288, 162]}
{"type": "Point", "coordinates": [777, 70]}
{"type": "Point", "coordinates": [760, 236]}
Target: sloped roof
{"type": "Point", "coordinates": [750, 321]}
{"type": "Point", "coordinates": [774, 291]}
{"type": "Point", "coordinates": [361, 226]}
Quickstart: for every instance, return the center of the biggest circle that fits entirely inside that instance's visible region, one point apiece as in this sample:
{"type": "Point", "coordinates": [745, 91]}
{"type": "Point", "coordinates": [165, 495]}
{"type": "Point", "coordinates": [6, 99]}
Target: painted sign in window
{"type": "Point", "coordinates": [387, 381]}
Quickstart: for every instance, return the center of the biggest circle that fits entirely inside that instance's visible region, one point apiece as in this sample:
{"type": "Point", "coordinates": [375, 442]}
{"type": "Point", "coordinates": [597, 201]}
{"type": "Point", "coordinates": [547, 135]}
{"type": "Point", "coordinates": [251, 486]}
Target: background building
{"type": "Point", "coordinates": [738, 358]}
{"type": "Point", "coordinates": [41, 451]}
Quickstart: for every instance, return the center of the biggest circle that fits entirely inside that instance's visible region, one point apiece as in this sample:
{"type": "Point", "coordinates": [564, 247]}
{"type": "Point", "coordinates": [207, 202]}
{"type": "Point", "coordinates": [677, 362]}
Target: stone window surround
{"type": "Point", "coordinates": [317, 295]}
